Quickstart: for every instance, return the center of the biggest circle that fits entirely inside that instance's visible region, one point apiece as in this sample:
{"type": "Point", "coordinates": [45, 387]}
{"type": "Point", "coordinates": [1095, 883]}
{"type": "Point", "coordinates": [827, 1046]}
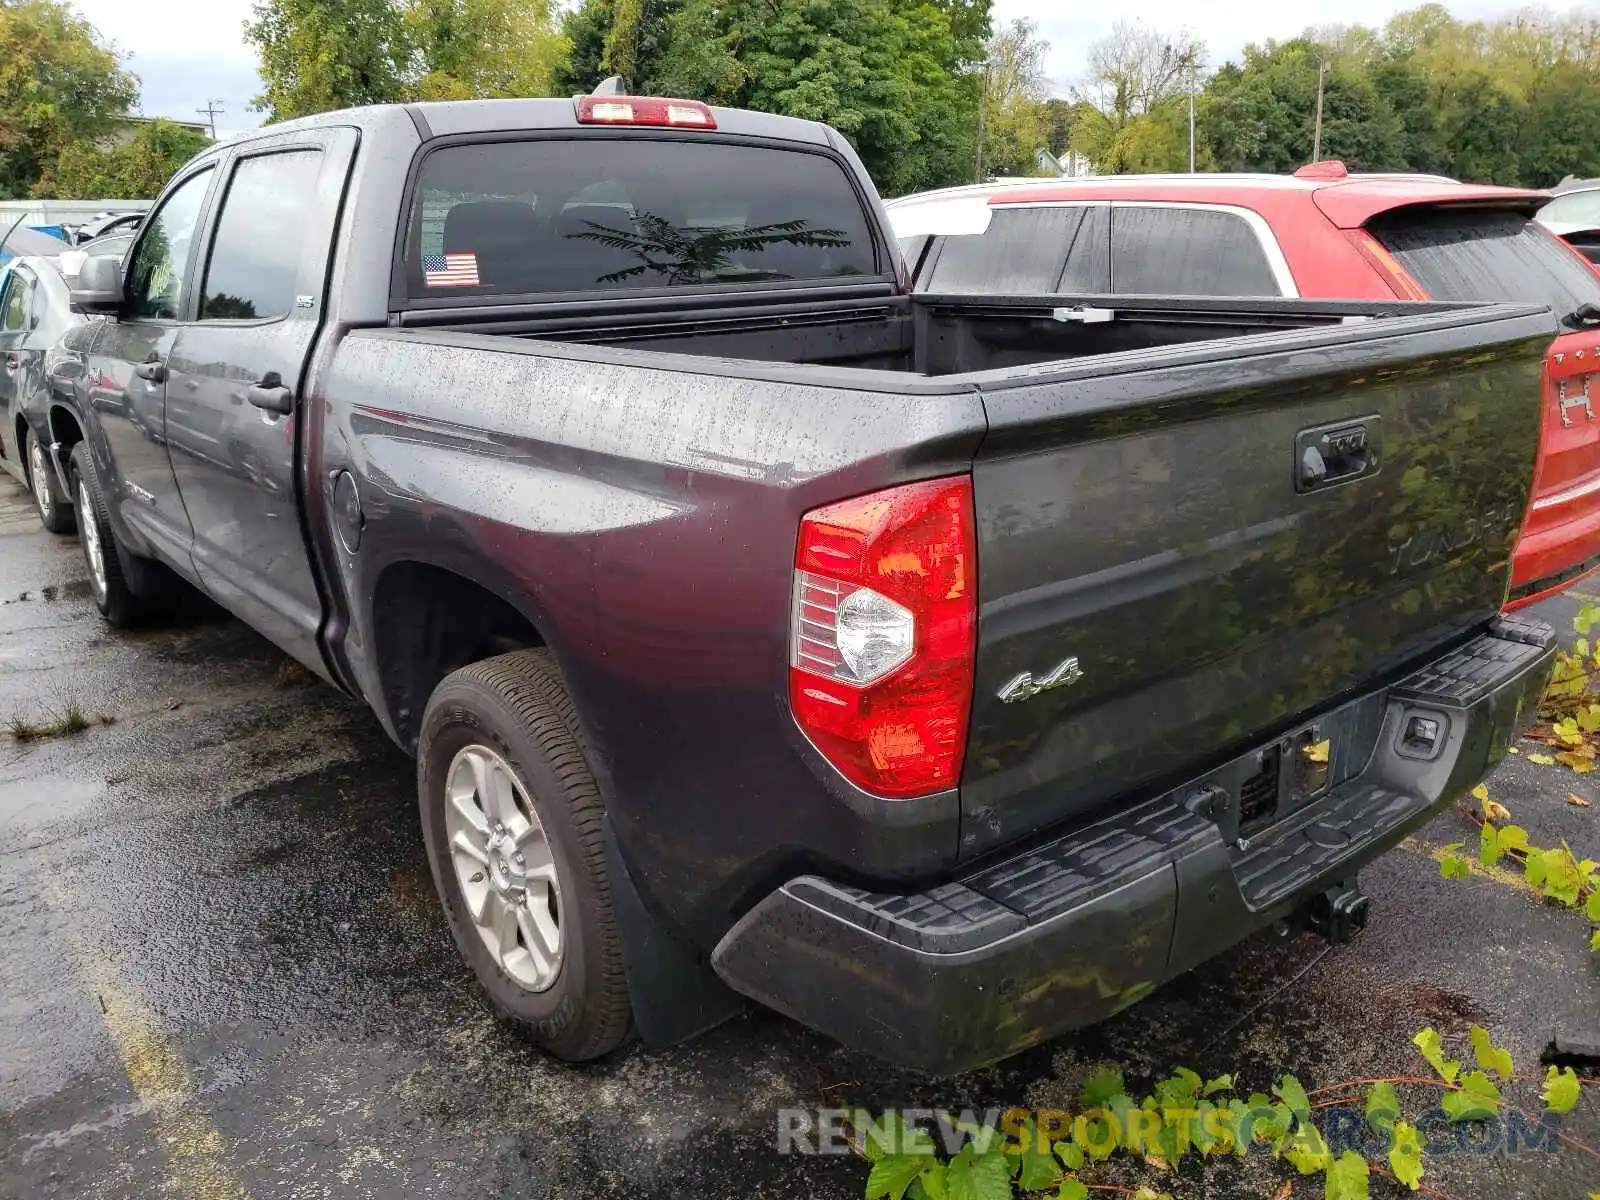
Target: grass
{"type": "Point", "coordinates": [72, 719]}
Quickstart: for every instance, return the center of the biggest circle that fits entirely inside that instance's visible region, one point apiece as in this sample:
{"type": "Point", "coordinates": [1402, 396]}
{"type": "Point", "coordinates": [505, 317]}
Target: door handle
{"type": "Point", "coordinates": [277, 399]}
{"type": "Point", "coordinates": [153, 371]}
{"type": "Point", "coordinates": [13, 360]}
{"type": "Point", "coordinates": [1332, 454]}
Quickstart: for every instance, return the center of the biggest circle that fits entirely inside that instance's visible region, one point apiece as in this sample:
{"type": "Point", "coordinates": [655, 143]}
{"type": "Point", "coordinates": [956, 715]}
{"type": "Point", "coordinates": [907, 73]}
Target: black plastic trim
{"type": "Point", "coordinates": [1065, 934]}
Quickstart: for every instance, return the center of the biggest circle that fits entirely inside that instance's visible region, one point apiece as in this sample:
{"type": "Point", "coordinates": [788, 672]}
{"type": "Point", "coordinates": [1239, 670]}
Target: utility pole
{"type": "Point", "coordinates": [983, 112]}
{"type": "Point", "coordinates": [1316, 140]}
{"type": "Point", "coordinates": [1191, 117]}
{"type": "Point", "coordinates": [210, 111]}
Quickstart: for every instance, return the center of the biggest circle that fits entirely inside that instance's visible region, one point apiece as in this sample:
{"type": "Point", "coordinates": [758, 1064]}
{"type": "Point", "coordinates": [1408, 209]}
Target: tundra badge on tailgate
{"type": "Point", "coordinates": [1026, 687]}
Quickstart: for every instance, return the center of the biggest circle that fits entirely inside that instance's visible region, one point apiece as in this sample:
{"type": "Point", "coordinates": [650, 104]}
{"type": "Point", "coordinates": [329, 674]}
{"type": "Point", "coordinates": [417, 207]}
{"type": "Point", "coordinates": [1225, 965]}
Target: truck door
{"type": "Point", "coordinates": [126, 373]}
{"type": "Point", "coordinates": [236, 380]}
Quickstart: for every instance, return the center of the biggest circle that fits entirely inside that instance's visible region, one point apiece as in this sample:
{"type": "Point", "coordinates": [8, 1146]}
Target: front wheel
{"type": "Point", "coordinates": [511, 818]}
{"type": "Point", "coordinates": [51, 502]}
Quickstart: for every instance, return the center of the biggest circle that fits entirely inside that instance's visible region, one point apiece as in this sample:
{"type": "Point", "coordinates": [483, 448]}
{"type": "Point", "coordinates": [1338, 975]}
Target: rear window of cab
{"type": "Point", "coordinates": [583, 215]}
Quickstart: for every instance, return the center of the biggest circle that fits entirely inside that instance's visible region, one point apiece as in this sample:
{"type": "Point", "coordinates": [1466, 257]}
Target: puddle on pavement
{"type": "Point", "coordinates": [35, 803]}
{"type": "Point", "coordinates": [78, 589]}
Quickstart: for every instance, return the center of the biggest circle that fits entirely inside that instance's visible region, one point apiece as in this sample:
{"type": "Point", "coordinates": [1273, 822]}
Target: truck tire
{"type": "Point", "coordinates": [108, 574]}
{"type": "Point", "coordinates": [51, 503]}
{"type": "Point", "coordinates": [511, 818]}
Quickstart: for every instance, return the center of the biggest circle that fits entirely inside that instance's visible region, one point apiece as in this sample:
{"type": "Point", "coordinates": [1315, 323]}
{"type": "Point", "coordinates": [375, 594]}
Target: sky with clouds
{"type": "Point", "coordinates": [189, 52]}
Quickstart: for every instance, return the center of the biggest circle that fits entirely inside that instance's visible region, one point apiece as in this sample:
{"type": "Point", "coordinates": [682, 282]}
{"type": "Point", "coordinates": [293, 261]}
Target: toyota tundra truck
{"type": "Point", "coordinates": [945, 672]}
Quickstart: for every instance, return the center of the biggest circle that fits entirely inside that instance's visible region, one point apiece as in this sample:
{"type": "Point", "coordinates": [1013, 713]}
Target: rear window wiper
{"type": "Point", "coordinates": [1585, 316]}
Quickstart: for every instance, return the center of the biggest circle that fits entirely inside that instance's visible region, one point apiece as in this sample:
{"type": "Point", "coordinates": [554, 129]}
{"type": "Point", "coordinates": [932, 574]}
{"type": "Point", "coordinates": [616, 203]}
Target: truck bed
{"type": "Point", "coordinates": [925, 334]}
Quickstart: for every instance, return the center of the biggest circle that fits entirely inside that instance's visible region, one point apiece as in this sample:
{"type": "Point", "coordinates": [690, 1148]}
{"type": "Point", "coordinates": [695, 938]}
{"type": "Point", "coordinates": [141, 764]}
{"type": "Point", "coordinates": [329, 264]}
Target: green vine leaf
{"type": "Point", "coordinates": [1405, 1155]}
{"type": "Point", "coordinates": [1204, 1132]}
{"type": "Point", "coordinates": [1168, 1142]}
{"type": "Point", "coordinates": [1038, 1167]}
{"type": "Point", "coordinates": [1180, 1090]}
{"type": "Point", "coordinates": [893, 1136]}
{"type": "Point", "coordinates": [1383, 1107]}
{"type": "Point", "coordinates": [1224, 1083]}
{"type": "Point", "coordinates": [1478, 1099]}
{"type": "Point", "coordinates": [1452, 865]}
{"type": "Point", "coordinates": [1594, 942]}
{"type": "Point", "coordinates": [1348, 1178]}
{"type": "Point", "coordinates": [974, 1176]}
{"type": "Point", "coordinates": [1071, 1189]}
{"type": "Point", "coordinates": [1307, 1150]}
{"type": "Point", "coordinates": [1588, 617]}
{"type": "Point", "coordinates": [1097, 1137]}
{"type": "Point", "coordinates": [1490, 1057]}
{"type": "Point", "coordinates": [1102, 1087]}
{"type": "Point", "coordinates": [1557, 874]}
{"type": "Point", "coordinates": [1265, 1131]}
{"type": "Point", "coordinates": [1592, 908]}
{"type": "Point", "coordinates": [1489, 841]}
{"type": "Point", "coordinates": [892, 1174]}
{"type": "Point", "coordinates": [930, 1185]}
{"type": "Point", "coordinates": [1432, 1048]}
{"type": "Point", "coordinates": [1149, 1193]}
{"type": "Point", "coordinates": [1561, 1090]}
{"type": "Point", "coordinates": [1236, 1115]}
{"type": "Point", "coordinates": [1071, 1155]}
{"type": "Point", "coordinates": [1294, 1095]}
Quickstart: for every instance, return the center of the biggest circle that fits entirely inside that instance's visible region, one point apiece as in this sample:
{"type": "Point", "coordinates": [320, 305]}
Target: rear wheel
{"type": "Point", "coordinates": [512, 822]}
{"type": "Point", "coordinates": [54, 508]}
{"type": "Point", "coordinates": [108, 578]}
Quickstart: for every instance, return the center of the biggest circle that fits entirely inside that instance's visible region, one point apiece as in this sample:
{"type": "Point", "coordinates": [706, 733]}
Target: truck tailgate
{"type": "Point", "coordinates": [1185, 550]}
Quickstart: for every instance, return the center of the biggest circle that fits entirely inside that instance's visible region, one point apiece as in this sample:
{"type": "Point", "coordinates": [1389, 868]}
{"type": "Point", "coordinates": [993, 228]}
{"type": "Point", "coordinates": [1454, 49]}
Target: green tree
{"type": "Point", "coordinates": [1558, 134]}
{"type": "Point", "coordinates": [885, 73]}
{"type": "Point", "coordinates": [1017, 121]}
{"type": "Point", "coordinates": [589, 30]}
{"type": "Point", "coordinates": [1126, 113]}
{"type": "Point", "coordinates": [318, 55]}
{"type": "Point", "coordinates": [59, 86]}
{"type": "Point", "coordinates": [1261, 116]}
{"type": "Point", "coordinates": [136, 169]}
{"type": "Point", "coordinates": [484, 48]}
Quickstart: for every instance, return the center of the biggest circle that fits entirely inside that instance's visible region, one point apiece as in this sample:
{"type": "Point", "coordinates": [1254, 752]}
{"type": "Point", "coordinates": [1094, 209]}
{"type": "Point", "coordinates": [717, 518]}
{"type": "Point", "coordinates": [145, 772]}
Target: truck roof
{"type": "Point", "coordinates": [443, 118]}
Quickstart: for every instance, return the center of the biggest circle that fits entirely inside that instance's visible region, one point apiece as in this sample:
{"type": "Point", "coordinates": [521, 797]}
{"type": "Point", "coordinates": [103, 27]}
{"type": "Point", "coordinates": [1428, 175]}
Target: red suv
{"type": "Point", "coordinates": [1320, 234]}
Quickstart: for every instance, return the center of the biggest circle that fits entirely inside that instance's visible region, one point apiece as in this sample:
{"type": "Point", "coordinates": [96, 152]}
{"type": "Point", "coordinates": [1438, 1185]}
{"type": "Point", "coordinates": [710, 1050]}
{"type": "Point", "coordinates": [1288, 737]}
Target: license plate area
{"type": "Point", "coordinates": [1290, 773]}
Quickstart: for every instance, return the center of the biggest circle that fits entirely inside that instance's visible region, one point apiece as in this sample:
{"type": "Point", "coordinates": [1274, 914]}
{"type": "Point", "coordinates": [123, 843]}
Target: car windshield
{"type": "Point", "coordinates": [1466, 254]}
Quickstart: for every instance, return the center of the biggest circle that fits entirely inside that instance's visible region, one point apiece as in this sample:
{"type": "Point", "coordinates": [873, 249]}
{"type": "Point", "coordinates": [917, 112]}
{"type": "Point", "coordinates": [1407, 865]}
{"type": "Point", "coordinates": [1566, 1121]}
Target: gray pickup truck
{"type": "Point", "coordinates": [944, 672]}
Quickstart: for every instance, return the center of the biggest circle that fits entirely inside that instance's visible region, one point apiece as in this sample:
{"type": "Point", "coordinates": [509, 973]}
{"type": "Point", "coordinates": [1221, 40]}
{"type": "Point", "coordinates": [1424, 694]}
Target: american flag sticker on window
{"type": "Point", "coordinates": [450, 270]}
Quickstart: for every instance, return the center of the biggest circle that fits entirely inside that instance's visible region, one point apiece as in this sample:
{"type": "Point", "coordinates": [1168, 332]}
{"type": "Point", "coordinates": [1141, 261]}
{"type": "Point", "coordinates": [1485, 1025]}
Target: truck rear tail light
{"type": "Point", "coordinates": [644, 110]}
{"type": "Point", "coordinates": [883, 633]}
{"type": "Point", "coordinates": [1378, 255]}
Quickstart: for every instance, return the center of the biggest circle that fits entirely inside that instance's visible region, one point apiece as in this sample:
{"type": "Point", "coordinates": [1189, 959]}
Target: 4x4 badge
{"type": "Point", "coordinates": [1026, 687]}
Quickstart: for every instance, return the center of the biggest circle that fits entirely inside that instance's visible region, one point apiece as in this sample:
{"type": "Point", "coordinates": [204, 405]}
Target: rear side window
{"type": "Point", "coordinates": [1187, 252]}
{"type": "Point", "coordinates": [558, 215]}
{"type": "Point", "coordinates": [255, 253]}
{"type": "Point", "coordinates": [1024, 251]}
{"type": "Point", "coordinates": [1462, 254]}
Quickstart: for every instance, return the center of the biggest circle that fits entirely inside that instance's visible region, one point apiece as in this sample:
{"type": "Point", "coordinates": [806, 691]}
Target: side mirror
{"type": "Point", "coordinates": [98, 287]}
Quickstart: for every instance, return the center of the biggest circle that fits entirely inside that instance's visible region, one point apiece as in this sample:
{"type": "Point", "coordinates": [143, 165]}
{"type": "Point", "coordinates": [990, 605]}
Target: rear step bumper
{"type": "Point", "coordinates": [1075, 930]}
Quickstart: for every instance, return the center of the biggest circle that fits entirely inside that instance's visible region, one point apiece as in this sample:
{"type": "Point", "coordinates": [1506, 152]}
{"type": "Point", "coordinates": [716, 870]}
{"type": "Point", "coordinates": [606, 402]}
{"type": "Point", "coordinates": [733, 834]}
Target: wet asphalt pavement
{"type": "Point", "coordinates": [223, 974]}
